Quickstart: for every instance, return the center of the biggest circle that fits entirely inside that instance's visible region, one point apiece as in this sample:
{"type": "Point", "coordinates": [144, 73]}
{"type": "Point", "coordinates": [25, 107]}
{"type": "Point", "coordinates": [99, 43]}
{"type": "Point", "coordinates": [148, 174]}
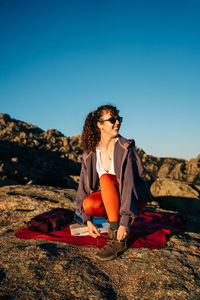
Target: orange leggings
{"type": "Point", "coordinates": [105, 203]}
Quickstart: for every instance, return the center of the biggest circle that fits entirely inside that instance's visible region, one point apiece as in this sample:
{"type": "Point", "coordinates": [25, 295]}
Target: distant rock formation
{"type": "Point", "coordinates": [173, 168]}
{"type": "Point", "coordinates": [31, 155]}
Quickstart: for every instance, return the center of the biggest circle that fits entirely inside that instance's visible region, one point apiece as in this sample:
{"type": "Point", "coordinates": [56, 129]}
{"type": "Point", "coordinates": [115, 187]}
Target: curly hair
{"type": "Point", "coordinates": [91, 133]}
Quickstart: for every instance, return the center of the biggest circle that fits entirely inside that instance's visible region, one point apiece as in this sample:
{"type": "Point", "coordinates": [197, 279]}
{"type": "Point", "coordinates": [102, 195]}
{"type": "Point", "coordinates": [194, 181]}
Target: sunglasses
{"type": "Point", "coordinates": [112, 120]}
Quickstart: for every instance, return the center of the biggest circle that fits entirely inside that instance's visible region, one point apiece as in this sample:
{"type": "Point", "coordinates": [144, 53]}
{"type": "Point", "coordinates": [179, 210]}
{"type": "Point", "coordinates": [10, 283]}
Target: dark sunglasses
{"type": "Point", "coordinates": [112, 120]}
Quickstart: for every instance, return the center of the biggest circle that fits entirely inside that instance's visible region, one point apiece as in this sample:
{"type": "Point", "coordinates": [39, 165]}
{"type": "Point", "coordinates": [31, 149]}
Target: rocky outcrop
{"type": "Point", "coordinates": [173, 168]}
{"type": "Point", "coordinates": [178, 195]}
{"type": "Point", "coordinates": [30, 155]}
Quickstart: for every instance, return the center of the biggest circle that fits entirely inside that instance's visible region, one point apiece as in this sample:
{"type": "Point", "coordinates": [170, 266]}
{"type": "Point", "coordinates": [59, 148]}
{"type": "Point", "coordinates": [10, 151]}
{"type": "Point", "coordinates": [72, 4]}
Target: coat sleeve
{"type": "Point", "coordinates": [128, 193]}
{"type": "Point", "coordinates": [81, 194]}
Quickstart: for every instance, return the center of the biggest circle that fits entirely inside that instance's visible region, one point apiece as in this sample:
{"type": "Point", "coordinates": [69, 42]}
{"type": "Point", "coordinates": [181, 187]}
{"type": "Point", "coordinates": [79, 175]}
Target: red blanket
{"type": "Point", "coordinates": [149, 230]}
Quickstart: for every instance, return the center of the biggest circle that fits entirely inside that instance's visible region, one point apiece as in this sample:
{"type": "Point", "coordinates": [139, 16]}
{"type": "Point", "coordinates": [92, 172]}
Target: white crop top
{"type": "Point", "coordinates": [99, 166]}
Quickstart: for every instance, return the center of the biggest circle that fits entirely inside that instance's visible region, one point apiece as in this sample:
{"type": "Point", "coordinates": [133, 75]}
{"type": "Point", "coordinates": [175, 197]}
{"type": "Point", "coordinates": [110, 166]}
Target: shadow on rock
{"type": "Point", "coordinates": [94, 277]}
{"type": "Point", "coordinates": [188, 206]}
{"type": "Point", "coordinates": [2, 275]}
{"type": "Point", "coordinates": [51, 249]}
{"type": "Point", "coordinates": [22, 164]}
{"type": "Point", "coordinates": [81, 270]}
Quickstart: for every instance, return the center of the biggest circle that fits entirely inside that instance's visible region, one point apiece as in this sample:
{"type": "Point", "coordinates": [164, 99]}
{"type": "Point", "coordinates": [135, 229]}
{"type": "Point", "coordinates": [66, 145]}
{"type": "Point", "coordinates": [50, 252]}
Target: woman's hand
{"type": "Point", "coordinates": [93, 231]}
{"type": "Point", "coordinates": [122, 232]}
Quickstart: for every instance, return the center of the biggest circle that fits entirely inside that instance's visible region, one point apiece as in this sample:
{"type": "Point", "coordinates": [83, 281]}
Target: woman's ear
{"type": "Point", "coordinates": [99, 125]}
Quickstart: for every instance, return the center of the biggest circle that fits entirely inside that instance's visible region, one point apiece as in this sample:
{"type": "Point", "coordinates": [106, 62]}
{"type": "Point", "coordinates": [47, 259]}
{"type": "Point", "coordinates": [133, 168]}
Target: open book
{"type": "Point", "coordinates": [79, 229]}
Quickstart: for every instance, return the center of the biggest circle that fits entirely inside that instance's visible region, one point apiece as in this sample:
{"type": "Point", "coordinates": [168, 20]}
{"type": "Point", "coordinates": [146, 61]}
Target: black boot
{"type": "Point", "coordinates": [112, 248]}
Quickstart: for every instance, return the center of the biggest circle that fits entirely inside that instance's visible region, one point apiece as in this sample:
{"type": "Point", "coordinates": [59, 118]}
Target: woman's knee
{"type": "Point", "coordinates": [93, 205]}
{"type": "Point", "coordinates": [88, 205]}
{"type": "Point", "coordinates": [92, 202]}
{"type": "Point", "coordinates": [106, 178]}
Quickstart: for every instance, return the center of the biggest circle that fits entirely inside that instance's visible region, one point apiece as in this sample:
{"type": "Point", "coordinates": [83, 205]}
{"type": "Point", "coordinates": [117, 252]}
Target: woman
{"type": "Point", "coordinates": [110, 184]}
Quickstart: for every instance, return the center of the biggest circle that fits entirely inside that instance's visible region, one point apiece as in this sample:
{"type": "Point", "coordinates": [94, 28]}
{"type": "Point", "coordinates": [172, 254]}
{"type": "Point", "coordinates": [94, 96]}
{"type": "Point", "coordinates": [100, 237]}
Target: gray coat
{"type": "Point", "coordinates": [128, 170]}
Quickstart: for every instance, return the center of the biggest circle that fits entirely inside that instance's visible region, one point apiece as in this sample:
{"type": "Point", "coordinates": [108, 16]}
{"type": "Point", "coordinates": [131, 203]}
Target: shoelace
{"type": "Point", "coordinates": [109, 244]}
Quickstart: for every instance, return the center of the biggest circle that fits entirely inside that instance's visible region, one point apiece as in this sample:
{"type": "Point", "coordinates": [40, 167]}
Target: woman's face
{"type": "Point", "coordinates": [106, 127]}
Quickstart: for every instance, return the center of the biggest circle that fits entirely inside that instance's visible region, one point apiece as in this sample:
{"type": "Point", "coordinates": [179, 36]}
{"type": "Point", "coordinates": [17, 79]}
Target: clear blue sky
{"type": "Point", "coordinates": [61, 59]}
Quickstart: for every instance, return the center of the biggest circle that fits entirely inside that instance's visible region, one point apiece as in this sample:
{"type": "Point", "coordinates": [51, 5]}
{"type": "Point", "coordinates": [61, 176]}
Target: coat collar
{"type": "Point", "coordinates": [123, 142]}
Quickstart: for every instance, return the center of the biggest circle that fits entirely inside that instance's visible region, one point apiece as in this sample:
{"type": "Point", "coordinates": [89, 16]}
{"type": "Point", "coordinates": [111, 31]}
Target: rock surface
{"type": "Point", "coordinates": [40, 269]}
